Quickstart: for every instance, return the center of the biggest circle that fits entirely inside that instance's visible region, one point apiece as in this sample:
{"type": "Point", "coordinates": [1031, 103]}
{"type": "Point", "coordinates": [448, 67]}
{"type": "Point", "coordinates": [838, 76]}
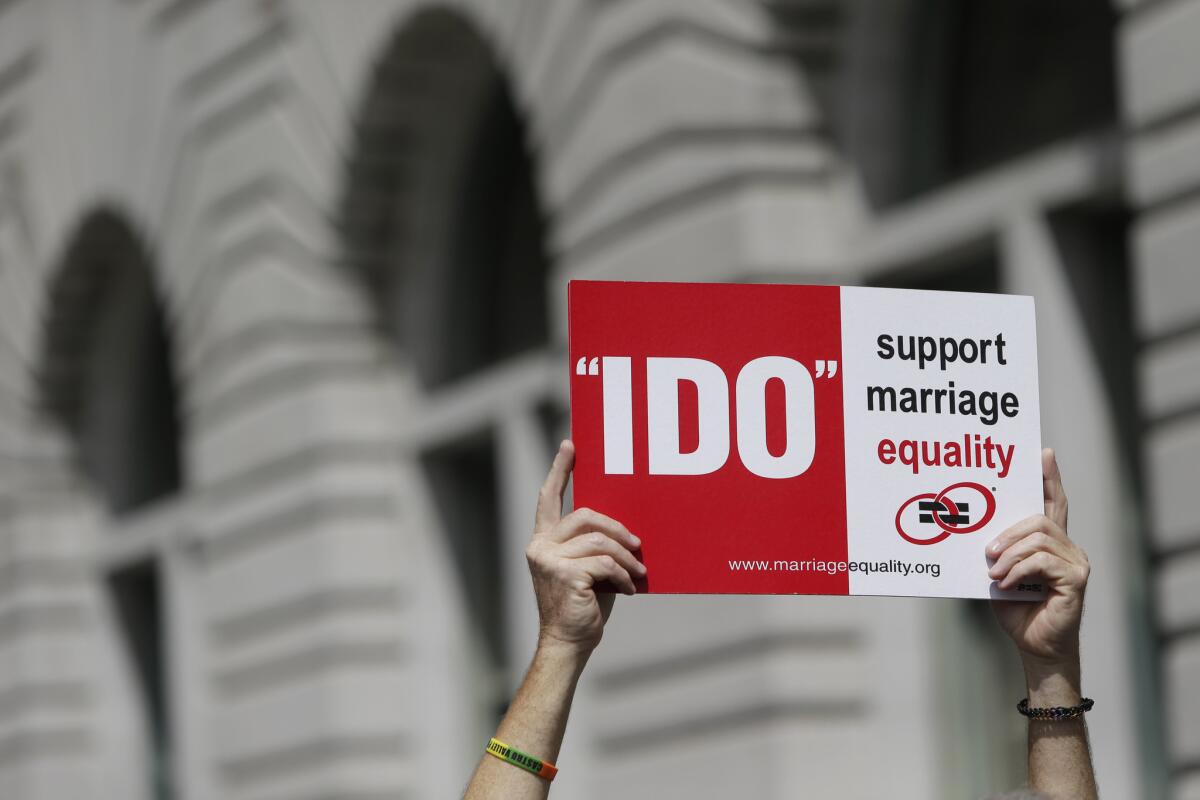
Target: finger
{"type": "Point", "coordinates": [549, 505]}
{"type": "Point", "coordinates": [1038, 565]}
{"type": "Point", "coordinates": [1014, 533]}
{"type": "Point", "coordinates": [582, 520]}
{"type": "Point", "coordinates": [596, 543]}
{"type": "Point", "coordinates": [1026, 547]}
{"type": "Point", "coordinates": [1052, 489]}
{"type": "Point", "coordinates": [606, 568]}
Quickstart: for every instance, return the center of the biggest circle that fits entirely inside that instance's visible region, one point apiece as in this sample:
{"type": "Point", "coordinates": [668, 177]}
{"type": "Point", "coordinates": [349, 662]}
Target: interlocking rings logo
{"type": "Point", "coordinates": [948, 514]}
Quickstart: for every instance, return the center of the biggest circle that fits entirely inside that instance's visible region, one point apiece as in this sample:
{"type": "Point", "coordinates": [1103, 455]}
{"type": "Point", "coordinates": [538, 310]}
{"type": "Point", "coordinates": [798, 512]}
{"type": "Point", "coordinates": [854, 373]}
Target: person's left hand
{"type": "Point", "coordinates": [1038, 549]}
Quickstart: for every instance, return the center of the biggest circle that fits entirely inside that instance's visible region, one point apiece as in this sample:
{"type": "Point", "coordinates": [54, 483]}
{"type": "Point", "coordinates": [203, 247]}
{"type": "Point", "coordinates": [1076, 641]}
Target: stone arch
{"type": "Point", "coordinates": [702, 118]}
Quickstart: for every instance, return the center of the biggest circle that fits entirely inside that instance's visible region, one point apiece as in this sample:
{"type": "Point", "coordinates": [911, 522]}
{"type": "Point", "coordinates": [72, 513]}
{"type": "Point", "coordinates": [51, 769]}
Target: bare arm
{"type": "Point", "coordinates": [1047, 636]}
{"type": "Point", "coordinates": [567, 557]}
{"type": "Point", "coordinates": [535, 723]}
{"type": "Point", "coordinates": [1060, 762]}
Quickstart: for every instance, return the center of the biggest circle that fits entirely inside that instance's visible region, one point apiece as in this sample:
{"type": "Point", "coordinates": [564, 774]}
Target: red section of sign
{"type": "Point", "coordinates": [693, 526]}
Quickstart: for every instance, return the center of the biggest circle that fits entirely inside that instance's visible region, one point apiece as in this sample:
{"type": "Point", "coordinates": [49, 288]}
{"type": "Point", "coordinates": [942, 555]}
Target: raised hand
{"type": "Point", "coordinates": [569, 555]}
{"type": "Point", "coordinates": [1038, 550]}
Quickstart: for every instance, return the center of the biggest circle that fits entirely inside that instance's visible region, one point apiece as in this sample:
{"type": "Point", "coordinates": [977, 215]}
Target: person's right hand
{"type": "Point", "coordinates": [569, 555]}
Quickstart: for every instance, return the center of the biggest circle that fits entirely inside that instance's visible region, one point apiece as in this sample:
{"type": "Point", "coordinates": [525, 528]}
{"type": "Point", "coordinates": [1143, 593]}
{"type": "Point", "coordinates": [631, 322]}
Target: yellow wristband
{"type": "Point", "coordinates": [543, 769]}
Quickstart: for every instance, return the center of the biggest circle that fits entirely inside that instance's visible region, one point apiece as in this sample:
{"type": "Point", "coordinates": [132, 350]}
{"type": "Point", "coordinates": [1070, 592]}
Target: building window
{"type": "Point", "coordinates": [441, 213]}
{"type": "Point", "coordinates": [462, 476]}
{"type": "Point", "coordinates": [137, 599]}
{"type": "Point", "coordinates": [108, 381]}
{"type": "Point", "coordinates": [494, 301]}
{"type": "Point", "coordinates": [108, 377]}
{"type": "Point", "coordinates": [1092, 241]}
{"type": "Point", "coordinates": [442, 219]}
{"type": "Point", "coordinates": [942, 89]}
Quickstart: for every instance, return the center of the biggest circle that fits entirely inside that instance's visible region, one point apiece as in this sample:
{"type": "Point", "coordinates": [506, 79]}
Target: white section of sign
{"type": "Point", "coordinates": [967, 349]}
{"type": "Point", "coordinates": [618, 415]}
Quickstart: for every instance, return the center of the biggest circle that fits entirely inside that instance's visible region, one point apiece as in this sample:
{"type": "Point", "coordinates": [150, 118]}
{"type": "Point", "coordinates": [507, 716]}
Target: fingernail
{"type": "Point", "coordinates": [994, 547]}
{"type": "Point", "coordinates": [635, 541]}
{"type": "Point", "coordinates": [641, 568]}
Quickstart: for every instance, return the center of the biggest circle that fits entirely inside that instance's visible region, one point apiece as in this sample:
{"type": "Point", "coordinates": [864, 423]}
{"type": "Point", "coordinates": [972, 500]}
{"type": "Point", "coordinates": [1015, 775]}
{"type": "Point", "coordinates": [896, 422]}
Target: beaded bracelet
{"type": "Point", "coordinates": [1056, 713]}
{"type": "Point", "coordinates": [511, 755]}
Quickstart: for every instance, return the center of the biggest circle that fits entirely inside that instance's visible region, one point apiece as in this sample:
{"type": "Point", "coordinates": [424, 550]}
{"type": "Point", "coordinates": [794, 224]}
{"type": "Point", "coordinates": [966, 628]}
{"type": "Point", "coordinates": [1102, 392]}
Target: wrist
{"type": "Point", "coordinates": [562, 653]}
{"type": "Point", "coordinates": [1052, 682]}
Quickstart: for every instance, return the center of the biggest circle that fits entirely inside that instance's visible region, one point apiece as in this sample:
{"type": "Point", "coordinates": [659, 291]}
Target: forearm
{"type": "Point", "coordinates": [535, 723]}
{"type": "Point", "coordinates": [1060, 762]}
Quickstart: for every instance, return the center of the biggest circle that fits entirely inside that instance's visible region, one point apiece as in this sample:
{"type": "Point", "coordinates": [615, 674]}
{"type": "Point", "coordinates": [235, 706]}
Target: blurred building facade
{"type": "Point", "coordinates": [282, 364]}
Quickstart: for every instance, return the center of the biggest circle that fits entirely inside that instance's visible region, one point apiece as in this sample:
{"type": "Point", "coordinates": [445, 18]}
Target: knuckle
{"type": "Point", "coordinates": [608, 562]}
{"type": "Point", "coordinates": [596, 539]}
{"type": "Point", "coordinates": [583, 518]}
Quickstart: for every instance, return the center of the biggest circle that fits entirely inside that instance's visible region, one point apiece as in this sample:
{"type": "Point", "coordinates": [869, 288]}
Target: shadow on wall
{"type": "Point", "coordinates": [935, 90]}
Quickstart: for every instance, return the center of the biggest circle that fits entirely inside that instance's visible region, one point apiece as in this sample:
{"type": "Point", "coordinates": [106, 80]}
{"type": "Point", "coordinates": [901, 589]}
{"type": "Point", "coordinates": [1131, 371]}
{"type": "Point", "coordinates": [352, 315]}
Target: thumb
{"type": "Point", "coordinates": [1052, 489]}
{"type": "Point", "coordinates": [549, 506]}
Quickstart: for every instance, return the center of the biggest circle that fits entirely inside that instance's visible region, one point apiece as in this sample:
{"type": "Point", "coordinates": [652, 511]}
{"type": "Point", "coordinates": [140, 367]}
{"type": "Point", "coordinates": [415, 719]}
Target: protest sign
{"type": "Point", "coordinates": [778, 439]}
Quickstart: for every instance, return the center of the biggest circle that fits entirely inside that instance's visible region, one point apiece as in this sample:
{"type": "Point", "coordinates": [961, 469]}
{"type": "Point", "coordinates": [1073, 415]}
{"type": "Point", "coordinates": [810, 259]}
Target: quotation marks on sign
{"type": "Point", "coordinates": [822, 366]}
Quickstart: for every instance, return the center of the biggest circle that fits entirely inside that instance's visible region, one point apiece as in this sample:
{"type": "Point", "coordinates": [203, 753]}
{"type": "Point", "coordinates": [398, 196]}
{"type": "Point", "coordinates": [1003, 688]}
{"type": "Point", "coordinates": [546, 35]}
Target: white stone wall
{"type": "Point", "coordinates": [1162, 112]}
{"type": "Point", "coordinates": [318, 641]}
